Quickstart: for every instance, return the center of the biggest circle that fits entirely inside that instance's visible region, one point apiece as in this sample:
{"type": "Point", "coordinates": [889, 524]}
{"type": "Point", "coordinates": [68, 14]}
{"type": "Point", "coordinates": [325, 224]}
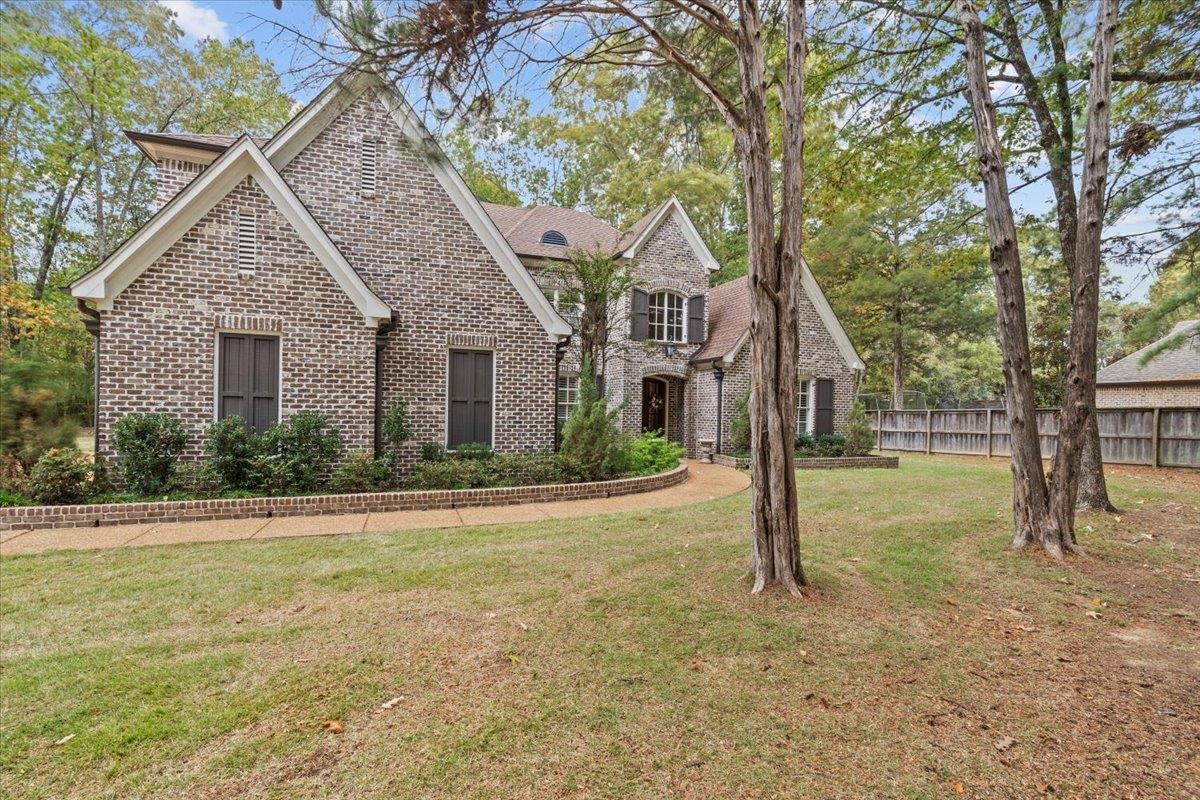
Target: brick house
{"type": "Point", "coordinates": [343, 264]}
{"type": "Point", "coordinates": [1170, 380]}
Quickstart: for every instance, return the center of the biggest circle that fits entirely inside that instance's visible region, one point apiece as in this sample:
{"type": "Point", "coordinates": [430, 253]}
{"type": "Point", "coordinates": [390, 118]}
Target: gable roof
{"type": "Point", "coordinates": [645, 227]}
{"type": "Point", "coordinates": [523, 228]}
{"type": "Point", "coordinates": [175, 218]}
{"type": "Point", "coordinates": [1178, 364]}
{"type": "Point", "coordinates": [729, 321]}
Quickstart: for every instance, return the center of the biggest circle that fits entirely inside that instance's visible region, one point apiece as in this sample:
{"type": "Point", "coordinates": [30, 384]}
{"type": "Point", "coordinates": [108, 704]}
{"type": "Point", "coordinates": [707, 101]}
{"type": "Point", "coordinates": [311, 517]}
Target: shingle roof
{"type": "Point", "coordinates": [523, 228]}
{"type": "Point", "coordinates": [638, 227]}
{"type": "Point", "coordinates": [728, 318]}
{"type": "Point", "coordinates": [1179, 364]}
{"type": "Point", "coordinates": [205, 141]}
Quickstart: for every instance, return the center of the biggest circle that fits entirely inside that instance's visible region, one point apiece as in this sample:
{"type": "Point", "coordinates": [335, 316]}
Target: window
{"type": "Point", "coordinates": [369, 156]}
{"type": "Point", "coordinates": [666, 317]}
{"type": "Point", "coordinates": [554, 237]}
{"type": "Point", "coordinates": [804, 415]}
{"type": "Point", "coordinates": [568, 397]}
{"type": "Point", "coordinates": [469, 398]}
{"type": "Point", "coordinates": [248, 378]}
{"type": "Point", "coordinates": [246, 243]}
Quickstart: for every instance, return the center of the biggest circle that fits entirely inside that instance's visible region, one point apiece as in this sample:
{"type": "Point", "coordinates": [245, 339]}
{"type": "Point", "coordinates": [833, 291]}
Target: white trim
{"type": "Point", "coordinates": [345, 90]}
{"type": "Point", "coordinates": [446, 405]}
{"type": "Point", "coordinates": [173, 220]}
{"type": "Point", "coordinates": [217, 369]}
{"type": "Point", "coordinates": [737, 348]}
{"type": "Point", "coordinates": [690, 234]}
{"type": "Point", "coordinates": [825, 312]}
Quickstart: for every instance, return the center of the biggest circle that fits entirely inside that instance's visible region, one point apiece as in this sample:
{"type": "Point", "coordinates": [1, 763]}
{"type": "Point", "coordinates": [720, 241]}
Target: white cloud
{"type": "Point", "coordinates": [197, 21]}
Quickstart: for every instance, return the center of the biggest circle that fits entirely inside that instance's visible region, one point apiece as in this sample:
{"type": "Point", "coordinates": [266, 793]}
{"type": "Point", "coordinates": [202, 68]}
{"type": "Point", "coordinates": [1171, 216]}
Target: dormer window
{"type": "Point", "coordinates": [368, 158]}
{"type": "Point", "coordinates": [555, 238]}
{"type": "Point", "coordinates": [247, 244]}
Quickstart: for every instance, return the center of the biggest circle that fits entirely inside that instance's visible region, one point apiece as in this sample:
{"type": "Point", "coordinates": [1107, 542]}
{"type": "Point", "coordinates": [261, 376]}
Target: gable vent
{"type": "Point", "coordinates": [370, 153]}
{"type": "Point", "coordinates": [246, 243]}
{"type": "Point", "coordinates": [554, 237]}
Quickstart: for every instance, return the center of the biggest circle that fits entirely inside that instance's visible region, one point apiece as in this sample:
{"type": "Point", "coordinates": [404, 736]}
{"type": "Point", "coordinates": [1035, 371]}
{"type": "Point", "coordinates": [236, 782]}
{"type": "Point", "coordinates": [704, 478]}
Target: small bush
{"type": "Point", "coordinates": [148, 446]}
{"type": "Point", "coordinates": [826, 445]}
{"type": "Point", "coordinates": [739, 426]}
{"type": "Point", "coordinates": [860, 439]}
{"type": "Point", "coordinates": [590, 438]}
{"type": "Point", "coordinates": [232, 447]}
{"type": "Point", "coordinates": [361, 472]}
{"type": "Point", "coordinates": [650, 454]}
{"type": "Point", "coordinates": [804, 442]}
{"type": "Point", "coordinates": [432, 451]}
{"type": "Point", "coordinates": [507, 469]}
{"type": "Point", "coordinates": [62, 476]}
{"type": "Point", "coordinates": [9, 499]}
{"type": "Point", "coordinates": [474, 451]}
{"type": "Point", "coordinates": [396, 431]}
{"type": "Point", "coordinates": [450, 473]}
{"type": "Point", "coordinates": [300, 451]}
{"type": "Point", "coordinates": [13, 477]}
{"type": "Point", "coordinates": [199, 479]}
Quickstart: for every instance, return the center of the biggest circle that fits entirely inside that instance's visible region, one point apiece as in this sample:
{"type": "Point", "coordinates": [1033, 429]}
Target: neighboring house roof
{"type": "Point", "coordinates": [197, 147]}
{"type": "Point", "coordinates": [1172, 366]}
{"type": "Point", "coordinates": [729, 321]}
{"type": "Point", "coordinates": [176, 217]}
{"type": "Point", "coordinates": [645, 227]}
{"type": "Point", "coordinates": [525, 227]}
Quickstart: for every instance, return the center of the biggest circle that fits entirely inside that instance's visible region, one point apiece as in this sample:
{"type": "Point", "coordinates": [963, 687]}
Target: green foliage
{"type": "Point", "coordinates": [299, 451]}
{"type": "Point", "coordinates": [34, 407]}
{"type": "Point", "coordinates": [360, 472]}
{"type": "Point", "coordinates": [10, 498]}
{"type": "Point", "coordinates": [651, 453]}
{"type": "Point", "coordinates": [148, 446]}
{"type": "Point", "coordinates": [826, 445]}
{"type": "Point", "coordinates": [13, 475]}
{"type": "Point", "coordinates": [197, 479]}
{"type": "Point", "coordinates": [432, 451]}
{"type": "Point", "coordinates": [474, 451]}
{"type": "Point", "coordinates": [396, 431]}
{"type": "Point", "coordinates": [804, 441]}
{"type": "Point", "coordinates": [739, 425]}
{"type": "Point", "coordinates": [504, 469]}
{"type": "Point", "coordinates": [598, 283]}
{"type": "Point", "coordinates": [233, 448]}
{"type": "Point", "coordinates": [860, 439]}
{"type": "Point", "coordinates": [62, 476]}
{"type": "Point", "coordinates": [590, 438]}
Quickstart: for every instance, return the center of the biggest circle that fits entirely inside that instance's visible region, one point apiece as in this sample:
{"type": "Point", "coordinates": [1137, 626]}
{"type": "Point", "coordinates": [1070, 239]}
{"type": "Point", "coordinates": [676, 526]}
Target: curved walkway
{"type": "Point", "coordinates": [705, 482]}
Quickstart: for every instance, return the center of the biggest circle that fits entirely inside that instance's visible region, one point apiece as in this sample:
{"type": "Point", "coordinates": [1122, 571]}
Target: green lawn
{"type": "Point", "coordinates": [621, 656]}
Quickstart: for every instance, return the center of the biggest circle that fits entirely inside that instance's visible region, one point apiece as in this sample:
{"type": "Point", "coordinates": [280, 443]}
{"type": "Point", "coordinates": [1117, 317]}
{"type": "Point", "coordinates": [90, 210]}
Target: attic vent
{"type": "Point", "coordinates": [370, 151]}
{"type": "Point", "coordinates": [554, 237]}
{"type": "Point", "coordinates": [245, 243]}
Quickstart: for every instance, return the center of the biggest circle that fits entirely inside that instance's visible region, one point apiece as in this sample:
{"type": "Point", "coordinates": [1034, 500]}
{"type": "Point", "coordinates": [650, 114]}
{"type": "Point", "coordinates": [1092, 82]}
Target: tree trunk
{"type": "Point", "coordinates": [1029, 482]}
{"type": "Point", "coordinates": [1093, 489]}
{"type": "Point", "coordinates": [897, 363]}
{"type": "Point", "coordinates": [774, 275]}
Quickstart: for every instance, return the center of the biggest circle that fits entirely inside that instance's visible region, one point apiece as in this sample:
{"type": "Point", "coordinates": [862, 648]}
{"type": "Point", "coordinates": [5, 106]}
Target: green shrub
{"type": "Point", "coordinates": [860, 439]}
{"type": "Point", "coordinates": [396, 431]}
{"type": "Point", "coordinates": [360, 472]}
{"type": "Point", "coordinates": [804, 442]}
{"type": "Point", "coordinates": [590, 439]}
{"type": "Point", "coordinates": [36, 406]}
{"type": "Point", "coordinates": [198, 479]}
{"type": "Point", "coordinates": [505, 469]}
{"type": "Point", "coordinates": [147, 446]}
{"type": "Point", "coordinates": [299, 452]}
{"type": "Point", "coordinates": [450, 473]}
{"type": "Point", "coordinates": [739, 425]}
{"type": "Point", "coordinates": [232, 448]}
{"type": "Point", "coordinates": [651, 453]}
{"type": "Point", "coordinates": [62, 476]}
{"type": "Point", "coordinates": [432, 451]}
{"type": "Point", "coordinates": [474, 451]}
{"type": "Point", "coordinates": [8, 499]}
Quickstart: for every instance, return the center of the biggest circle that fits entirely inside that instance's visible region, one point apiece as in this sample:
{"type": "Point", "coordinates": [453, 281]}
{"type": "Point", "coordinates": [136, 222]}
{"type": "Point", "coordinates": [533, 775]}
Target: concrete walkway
{"type": "Point", "coordinates": [705, 482]}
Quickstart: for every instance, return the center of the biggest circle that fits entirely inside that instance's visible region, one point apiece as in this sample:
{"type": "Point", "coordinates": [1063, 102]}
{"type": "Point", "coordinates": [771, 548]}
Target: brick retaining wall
{"type": "Point", "coordinates": [37, 517]}
{"type": "Point", "coordinates": [841, 462]}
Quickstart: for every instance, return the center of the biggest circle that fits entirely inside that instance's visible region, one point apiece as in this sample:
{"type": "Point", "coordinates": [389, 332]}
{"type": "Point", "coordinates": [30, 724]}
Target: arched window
{"type": "Point", "coordinates": [554, 237]}
{"type": "Point", "coordinates": [666, 317]}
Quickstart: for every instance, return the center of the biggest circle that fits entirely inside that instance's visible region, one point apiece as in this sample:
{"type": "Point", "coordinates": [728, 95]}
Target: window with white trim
{"type": "Point", "coordinates": [804, 406]}
{"type": "Point", "coordinates": [666, 317]}
{"type": "Point", "coordinates": [368, 158]}
{"type": "Point", "coordinates": [568, 397]}
{"type": "Point", "coordinates": [246, 243]}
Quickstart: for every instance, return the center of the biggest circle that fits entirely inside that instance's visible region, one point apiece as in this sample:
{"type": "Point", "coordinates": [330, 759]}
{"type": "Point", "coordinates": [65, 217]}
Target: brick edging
{"type": "Point", "coordinates": [840, 462]}
{"type": "Point", "coordinates": [39, 517]}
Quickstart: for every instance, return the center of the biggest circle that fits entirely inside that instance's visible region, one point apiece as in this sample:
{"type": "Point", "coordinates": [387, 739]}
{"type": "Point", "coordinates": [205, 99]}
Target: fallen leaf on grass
{"type": "Point", "coordinates": [332, 725]}
{"type": "Point", "coordinates": [959, 788]}
{"type": "Point", "coordinates": [1004, 744]}
{"type": "Point", "coordinates": [393, 702]}
{"type": "Point", "coordinates": [951, 601]}
{"type": "Point", "coordinates": [64, 740]}
{"type": "Point", "coordinates": [1093, 614]}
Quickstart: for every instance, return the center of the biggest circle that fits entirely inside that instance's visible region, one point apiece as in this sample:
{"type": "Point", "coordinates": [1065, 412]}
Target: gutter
{"type": "Point", "coordinates": [381, 343]}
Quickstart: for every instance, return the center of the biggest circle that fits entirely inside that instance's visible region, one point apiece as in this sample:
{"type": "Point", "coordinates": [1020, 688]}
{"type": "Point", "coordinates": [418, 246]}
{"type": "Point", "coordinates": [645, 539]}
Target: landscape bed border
{"type": "Point", "coordinates": [834, 462]}
{"type": "Point", "coordinates": [97, 515]}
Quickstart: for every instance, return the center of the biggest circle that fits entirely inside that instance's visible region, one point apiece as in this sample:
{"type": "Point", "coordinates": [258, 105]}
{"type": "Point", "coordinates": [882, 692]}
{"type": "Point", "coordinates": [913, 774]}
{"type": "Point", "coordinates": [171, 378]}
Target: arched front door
{"type": "Point", "coordinates": [654, 405]}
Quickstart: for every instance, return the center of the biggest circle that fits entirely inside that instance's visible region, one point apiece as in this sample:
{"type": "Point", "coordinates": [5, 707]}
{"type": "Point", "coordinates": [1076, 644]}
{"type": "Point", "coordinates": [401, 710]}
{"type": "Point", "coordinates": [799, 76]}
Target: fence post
{"type": "Point", "coordinates": [928, 430]}
{"type": "Point", "coordinates": [989, 433]}
{"type": "Point", "coordinates": [879, 429]}
{"type": "Point", "coordinates": [1154, 440]}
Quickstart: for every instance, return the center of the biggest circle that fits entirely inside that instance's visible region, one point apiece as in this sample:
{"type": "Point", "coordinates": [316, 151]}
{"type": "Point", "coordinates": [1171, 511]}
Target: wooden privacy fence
{"type": "Point", "coordinates": [1159, 437]}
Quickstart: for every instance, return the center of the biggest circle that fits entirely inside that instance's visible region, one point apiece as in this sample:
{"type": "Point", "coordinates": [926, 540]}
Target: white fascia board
{"type": "Point", "coordinates": [737, 348]}
{"type": "Point", "coordinates": [339, 95]}
{"type": "Point", "coordinates": [690, 234]}
{"type": "Point", "coordinates": [123, 267]}
{"type": "Point", "coordinates": [825, 312]}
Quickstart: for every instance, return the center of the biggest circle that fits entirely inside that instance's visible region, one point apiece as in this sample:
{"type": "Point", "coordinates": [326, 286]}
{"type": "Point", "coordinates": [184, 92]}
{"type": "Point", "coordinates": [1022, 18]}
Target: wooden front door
{"type": "Point", "coordinates": [654, 405]}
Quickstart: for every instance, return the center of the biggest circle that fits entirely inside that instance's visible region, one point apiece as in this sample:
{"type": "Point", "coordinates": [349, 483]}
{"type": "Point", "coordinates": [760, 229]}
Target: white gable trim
{"type": "Point", "coordinates": [674, 208]}
{"type": "Point", "coordinates": [732, 355]}
{"type": "Point", "coordinates": [297, 134]}
{"type": "Point", "coordinates": [825, 312]}
{"type": "Point", "coordinates": [187, 208]}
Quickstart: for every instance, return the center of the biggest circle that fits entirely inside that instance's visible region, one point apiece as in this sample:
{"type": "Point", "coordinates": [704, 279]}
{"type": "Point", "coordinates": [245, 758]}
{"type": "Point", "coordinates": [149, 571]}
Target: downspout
{"type": "Point", "coordinates": [91, 321]}
{"type": "Point", "coordinates": [560, 352]}
{"type": "Point", "coordinates": [381, 343]}
{"type": "Point", "coordinates": [719, 372]}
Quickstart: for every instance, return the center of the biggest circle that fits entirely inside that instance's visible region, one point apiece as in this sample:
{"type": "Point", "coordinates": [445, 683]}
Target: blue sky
{"type": "Point", "coordinates": [253, 20]}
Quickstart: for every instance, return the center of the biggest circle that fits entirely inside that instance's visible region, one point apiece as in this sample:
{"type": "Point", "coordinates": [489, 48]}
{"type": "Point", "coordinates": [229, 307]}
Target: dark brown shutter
{"type": "Point", "coordinates": [824, 420]}
{"type": "Point", "coordinates": [248, 379]}
{"type": "Point", "coordinates": [639, 316]}
{"type": "Point", "coordinates": [696, 319]}
{"type": "Point", "coordinates": [470, 398]}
